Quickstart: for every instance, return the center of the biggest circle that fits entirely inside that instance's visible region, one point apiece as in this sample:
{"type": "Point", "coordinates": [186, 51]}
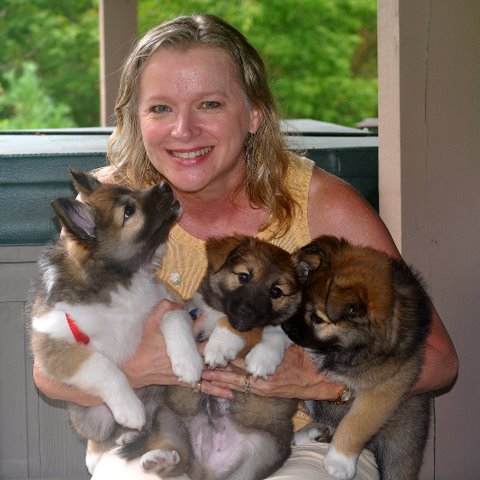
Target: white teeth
{"type": "Point", "coordinates": [197, 153]}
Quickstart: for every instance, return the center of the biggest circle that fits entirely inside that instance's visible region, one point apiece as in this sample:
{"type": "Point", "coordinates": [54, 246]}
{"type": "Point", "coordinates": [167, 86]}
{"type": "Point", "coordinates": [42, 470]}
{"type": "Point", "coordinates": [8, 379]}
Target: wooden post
{"type": "Point", "coordinates": [118, 31]}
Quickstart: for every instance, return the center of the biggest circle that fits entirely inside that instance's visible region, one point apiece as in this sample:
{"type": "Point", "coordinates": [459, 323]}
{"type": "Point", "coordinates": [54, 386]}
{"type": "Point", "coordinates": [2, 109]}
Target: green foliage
{"type": "Point", "coordinates": [25, 104]}
{"type": "Point", "coordinates": [61, 37]}
{"type": "Point", "coordinates": [320, 54]}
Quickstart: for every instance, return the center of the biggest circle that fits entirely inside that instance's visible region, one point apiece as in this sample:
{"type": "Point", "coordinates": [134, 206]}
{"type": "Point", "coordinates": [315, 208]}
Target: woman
{"type": "Point", "coordinates": [194, 107]}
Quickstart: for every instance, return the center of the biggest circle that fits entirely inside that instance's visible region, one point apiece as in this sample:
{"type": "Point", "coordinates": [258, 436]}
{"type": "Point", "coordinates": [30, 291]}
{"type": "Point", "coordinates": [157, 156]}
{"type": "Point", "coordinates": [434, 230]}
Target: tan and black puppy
{"type": "Point", "coordinates": [364, 321]}
{"type": "Point", "coordinates": [254, 287]}
{"type": "Point", "coordinates": [250, 288]}
{"type": "Point", "coordinates": [96, 288]}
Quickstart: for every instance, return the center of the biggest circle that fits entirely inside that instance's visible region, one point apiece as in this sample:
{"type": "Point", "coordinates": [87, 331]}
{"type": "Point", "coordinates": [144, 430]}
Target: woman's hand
{"type": "Point", "coordinates": [59, 391]}
{"type": "Point", "coordinates": [150, 365]}
{"type": "Point", "coordinates": [296, 377]}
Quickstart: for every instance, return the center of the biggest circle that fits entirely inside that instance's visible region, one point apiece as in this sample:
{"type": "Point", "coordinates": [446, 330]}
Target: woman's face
{"type": "Point", "coordinates": [194, 118]}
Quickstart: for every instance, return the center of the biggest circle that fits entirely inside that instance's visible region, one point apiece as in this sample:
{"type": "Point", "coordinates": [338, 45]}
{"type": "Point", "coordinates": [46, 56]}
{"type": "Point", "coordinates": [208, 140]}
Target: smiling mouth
{"type": "Point", "coordinates": [192, 154]}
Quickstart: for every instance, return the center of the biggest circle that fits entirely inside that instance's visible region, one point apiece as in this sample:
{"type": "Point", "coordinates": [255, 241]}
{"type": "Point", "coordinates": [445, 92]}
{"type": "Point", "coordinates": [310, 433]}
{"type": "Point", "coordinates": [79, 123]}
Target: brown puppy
{"type": "Point", "coordinates": [364, 320]}
{"type": "Point", "coordinates": [250, 288]}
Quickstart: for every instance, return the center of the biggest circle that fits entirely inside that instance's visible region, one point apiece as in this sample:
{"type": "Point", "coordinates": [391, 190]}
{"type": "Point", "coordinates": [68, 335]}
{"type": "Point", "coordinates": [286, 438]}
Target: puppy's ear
{"type": "Point", "coordinates": [76, 217]}
{"type": "Point", "coordinates": [307, 259]}
{"type": "Point", "coordinates": [329, 246]}
{"type": "Point", "coordinates": [318, 252]}
{"type": "Point", "coordinates": [219, 250]}
{"type": "Point", "coordinates": [83, 182]}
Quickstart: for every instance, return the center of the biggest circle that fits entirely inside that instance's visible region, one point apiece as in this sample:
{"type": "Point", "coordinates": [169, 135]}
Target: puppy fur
{"type": "Point", "coordinates": [253, 287]}
{"type": "Point", "coordinates": [101, 273]}
{"type": "Point", "coordinates": [364, 320]}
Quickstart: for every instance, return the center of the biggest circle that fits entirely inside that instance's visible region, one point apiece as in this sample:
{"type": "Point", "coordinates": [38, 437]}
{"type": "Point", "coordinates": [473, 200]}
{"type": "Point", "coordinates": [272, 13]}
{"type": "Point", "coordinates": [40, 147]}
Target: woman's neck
{"type": "Point", "coordinates": [223, 215]}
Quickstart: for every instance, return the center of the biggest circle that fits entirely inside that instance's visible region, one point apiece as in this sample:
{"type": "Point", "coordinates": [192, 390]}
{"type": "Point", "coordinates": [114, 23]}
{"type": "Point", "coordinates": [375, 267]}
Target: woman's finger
{"type": "Point", "coordinates": [217, 389]}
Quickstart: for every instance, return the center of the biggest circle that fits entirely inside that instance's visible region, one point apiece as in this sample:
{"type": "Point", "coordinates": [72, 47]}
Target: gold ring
{"type": "Point", "coordinates": [198, 387]}
{"type": "Point", "coordinates": [246, 387]}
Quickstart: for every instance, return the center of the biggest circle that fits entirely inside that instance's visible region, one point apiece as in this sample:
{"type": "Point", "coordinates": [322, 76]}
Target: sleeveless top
{"type": "Point", "coordinates": [185, 261]}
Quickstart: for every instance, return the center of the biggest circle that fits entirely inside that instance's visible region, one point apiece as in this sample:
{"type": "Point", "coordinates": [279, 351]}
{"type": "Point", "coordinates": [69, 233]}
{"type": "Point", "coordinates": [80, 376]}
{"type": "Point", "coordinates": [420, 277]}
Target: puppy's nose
{"type": "Point", "coordinates": [165, 187]}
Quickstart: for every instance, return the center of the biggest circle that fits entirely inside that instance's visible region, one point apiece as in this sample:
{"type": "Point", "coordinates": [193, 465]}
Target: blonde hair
{"type": "Point", "coordinates": [266, 154]}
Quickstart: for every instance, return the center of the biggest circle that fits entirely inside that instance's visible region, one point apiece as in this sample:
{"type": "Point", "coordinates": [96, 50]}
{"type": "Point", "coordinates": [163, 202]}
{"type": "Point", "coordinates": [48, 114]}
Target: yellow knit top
{"type": "Point", "coordinates": [185, 262]}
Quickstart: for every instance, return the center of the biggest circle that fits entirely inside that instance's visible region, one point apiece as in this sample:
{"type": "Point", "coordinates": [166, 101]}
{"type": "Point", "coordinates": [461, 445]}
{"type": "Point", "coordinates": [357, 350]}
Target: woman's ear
{"type": "Point", "coordinates": [256, 117]}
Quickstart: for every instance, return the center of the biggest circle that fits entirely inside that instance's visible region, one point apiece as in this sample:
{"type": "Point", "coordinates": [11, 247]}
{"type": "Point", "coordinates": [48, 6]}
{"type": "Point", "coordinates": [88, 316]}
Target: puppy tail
{"type": "Point", "coordinates": [135, 447]}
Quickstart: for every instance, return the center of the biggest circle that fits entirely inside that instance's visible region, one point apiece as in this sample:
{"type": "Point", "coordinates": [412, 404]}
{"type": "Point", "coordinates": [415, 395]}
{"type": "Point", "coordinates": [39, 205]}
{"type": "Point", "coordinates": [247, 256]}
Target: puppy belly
{"type": "Point", "coordinates": [218, 445]}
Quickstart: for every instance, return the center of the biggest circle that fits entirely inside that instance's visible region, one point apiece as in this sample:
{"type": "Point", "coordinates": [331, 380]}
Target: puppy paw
{"type": "Point", "coordinates": [129, 412]}
{"type": "Point", "coordinates": [217, 355]}
{"type": "Point", "coordinates": [222, 347]}
{"type": "Point", "coordinates": [187, 363]}
{"type": "Point", "coordinates": [188, 366]}
{"type": "Point", "coordinates": [160, 461]}
{"type": "Point", "coordinates": [339, 465]}
{"type": "Point", "coordinates": [263, 360]}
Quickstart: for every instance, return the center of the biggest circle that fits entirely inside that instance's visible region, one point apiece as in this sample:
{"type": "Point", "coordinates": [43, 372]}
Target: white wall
{"type": "Point", "coordinates": [429, 74]}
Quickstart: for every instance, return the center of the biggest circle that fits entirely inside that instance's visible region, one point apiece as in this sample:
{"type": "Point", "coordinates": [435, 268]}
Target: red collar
{"type": "Point", "coordinates": [80, 337]}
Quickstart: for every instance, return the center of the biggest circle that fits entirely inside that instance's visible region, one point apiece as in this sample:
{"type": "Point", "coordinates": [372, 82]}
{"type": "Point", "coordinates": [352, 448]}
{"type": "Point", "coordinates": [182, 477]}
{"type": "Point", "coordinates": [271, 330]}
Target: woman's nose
{"type": "Point", "coordinates": [185, 126]}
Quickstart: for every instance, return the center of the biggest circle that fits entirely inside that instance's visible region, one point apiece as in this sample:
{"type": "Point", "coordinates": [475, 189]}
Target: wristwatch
{"type": "Point", "coordinates": [344, 397]}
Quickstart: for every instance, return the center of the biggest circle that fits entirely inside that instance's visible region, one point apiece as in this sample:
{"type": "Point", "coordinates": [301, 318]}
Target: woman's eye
{"type": "Point", "coordinates": [244, 277]}
{"type": "Point", "coordinates": [160, 109]}
{"type": "Point", "coordinates": [128, 211]}
{"type": "Point", "coordinates": [275, 292]}
{"type": "Point", "coordinates": [210, 105]}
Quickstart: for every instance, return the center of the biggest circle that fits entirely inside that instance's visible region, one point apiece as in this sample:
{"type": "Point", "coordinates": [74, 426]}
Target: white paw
{"type": "Point", "coordinates": [129, 412]}
{"type": "Point", "coordinates": [217, 355]}
{"type": "Point", "coordinates": [159, 461]}
{"type": "Point", "coordinates": [263, 360]}
{"type": "Point", "coordinates": [187, 366]}
{"type": "Point", "coordinates": [339, 465]}
{"type": "Point", "coordinates": [222, 347]}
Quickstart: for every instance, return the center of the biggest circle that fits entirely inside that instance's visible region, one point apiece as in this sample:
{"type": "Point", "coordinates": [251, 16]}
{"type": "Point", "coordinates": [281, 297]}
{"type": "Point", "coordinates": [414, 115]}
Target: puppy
{"type": "Point", "coordinates": [364, 320]}
{"type": "Point", "coordinates": [249, 283]}
{"type": "Point", "coordinates": [97, 287]}
{"type": "Point", "coordinates": [249, 289]}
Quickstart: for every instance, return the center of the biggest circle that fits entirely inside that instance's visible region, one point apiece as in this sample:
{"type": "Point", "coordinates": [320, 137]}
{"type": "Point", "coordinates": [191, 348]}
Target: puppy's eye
{"type": "Point", "coordinates": [315, 319]}
{"type": "Point", "coordinates": [128, 211]}
{"type": "Point", "coordinates": [275, 292]}
{"type": "Point", "coordinates": [244, 277]}
{"type": "Point", "coordinates": [353, 310]}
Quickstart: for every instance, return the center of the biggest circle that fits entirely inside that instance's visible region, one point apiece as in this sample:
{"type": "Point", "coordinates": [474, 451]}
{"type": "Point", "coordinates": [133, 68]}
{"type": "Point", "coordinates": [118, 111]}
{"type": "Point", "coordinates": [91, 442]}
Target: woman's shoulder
{"type": "Point", "coordinates": [336, 208]}
{"type": "Point", "coordinates": [334, 195]}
